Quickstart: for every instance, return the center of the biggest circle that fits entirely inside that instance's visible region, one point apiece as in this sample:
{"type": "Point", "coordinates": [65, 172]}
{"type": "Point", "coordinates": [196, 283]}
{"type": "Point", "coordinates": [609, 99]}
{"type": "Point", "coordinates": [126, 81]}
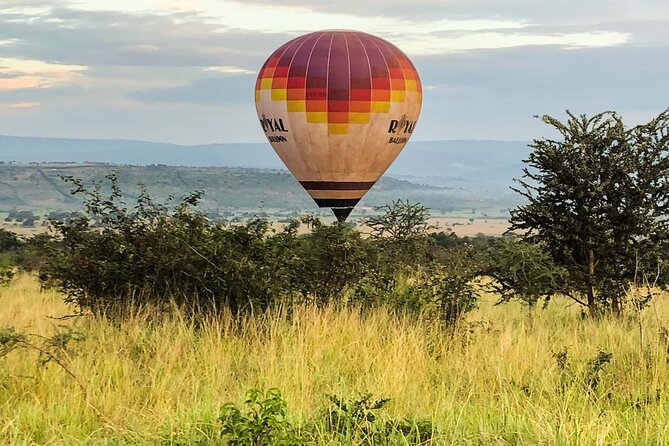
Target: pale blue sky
{"type": "Point", "coordinates": [183, 71]}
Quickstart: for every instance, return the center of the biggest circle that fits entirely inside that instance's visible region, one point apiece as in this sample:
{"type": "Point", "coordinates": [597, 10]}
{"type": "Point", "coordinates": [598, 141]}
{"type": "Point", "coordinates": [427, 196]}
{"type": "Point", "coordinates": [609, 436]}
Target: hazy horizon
{"type": "Point", "coordinates": [413, 140]}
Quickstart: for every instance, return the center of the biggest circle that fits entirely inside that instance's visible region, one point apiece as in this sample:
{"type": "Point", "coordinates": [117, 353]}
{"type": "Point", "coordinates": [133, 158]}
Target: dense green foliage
{"type": "Point", "coordinates": [594, 225]}
{"type": "Point", "coordinates": [115, 255]}
{"type": "Point", "coordinates": [522, 271]}
{"type": "Point", "coordinates": [154, 255]}
{"type": "Point", "coordinates": [598, 202]}
{"type": "Point", "coordinates": [6, 272]}
{"type": "Point", "coordinates": [9, 243]}
{"type": "Point", "coordinates": [262, 421]}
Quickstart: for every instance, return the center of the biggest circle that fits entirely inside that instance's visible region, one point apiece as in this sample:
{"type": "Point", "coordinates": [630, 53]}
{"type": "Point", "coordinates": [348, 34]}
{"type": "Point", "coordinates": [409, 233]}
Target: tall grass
{"type": "Point", "coordinates": [496, 379]}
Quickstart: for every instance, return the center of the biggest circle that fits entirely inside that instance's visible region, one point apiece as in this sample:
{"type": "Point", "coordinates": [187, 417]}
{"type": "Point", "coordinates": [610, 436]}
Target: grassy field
{"type": "Point", "coordinates": [497, 379]}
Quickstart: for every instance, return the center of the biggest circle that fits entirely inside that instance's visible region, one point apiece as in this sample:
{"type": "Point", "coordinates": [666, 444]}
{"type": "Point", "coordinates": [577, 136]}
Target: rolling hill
{"type": "Point", "coordinates": [447, 176]}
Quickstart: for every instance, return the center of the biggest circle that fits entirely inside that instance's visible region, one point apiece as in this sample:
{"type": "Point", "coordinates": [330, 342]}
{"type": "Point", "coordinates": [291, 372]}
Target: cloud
{"type": "Point", "coordinates": [438, 43]}
{"type": "Point", "coordinates": [229, 69]}
{"type": "Point", "coordinates": [20, 105]}
{"type": "Point", "coordinates": [564, 11]}
{"type": "Point", "coordinates": [489, 94]}
{"type": "Point", "coordinates": [243, 35]}
{"type": "Point", "coordinates": [27, 73]}
{"type": "Point", "coordinates": [142, 69]}
{"type": "Point", "coordinates": [216, 90]}
{"type": "Point", "coordinates": [69, 36]}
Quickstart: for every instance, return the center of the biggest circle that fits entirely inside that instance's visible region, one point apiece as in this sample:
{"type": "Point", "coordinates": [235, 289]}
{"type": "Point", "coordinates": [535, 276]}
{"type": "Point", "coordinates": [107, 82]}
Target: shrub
{"type": "Point", "coordinates": [30, 256]}
{"type": "Point", "coordinates": [261, 422]}
{"type": "Point", "coordinates": [360, 421]}
{"type": "Point", "coordinates": [523, 271]}
{"type": "Point", "coordinates": [8, 241]}
{"type": "Point", "coordinates": [156, 255]}
{"type": "Point", "coordinates": [331, 258]}
{"type": "Point", "coordinates": [355, 420]}
{"type": "Point", "coordinates": [6, 272]}
{"type": "Point", "coordinates": [114, 255]}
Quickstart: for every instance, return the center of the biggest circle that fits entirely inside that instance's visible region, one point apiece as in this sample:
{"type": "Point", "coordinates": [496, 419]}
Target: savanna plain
{"type": "Point", "coordinates": [502, 375]}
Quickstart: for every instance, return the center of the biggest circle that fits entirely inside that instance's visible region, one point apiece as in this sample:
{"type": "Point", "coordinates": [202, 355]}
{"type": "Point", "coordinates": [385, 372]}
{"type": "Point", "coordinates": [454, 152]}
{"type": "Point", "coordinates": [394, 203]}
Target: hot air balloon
{"type": "Point", "coordinates": [338, 107]}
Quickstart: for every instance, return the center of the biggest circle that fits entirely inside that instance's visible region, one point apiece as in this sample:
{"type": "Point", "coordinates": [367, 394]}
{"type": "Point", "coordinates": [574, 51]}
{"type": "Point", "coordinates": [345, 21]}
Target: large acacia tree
{"type": "Point", "coordinates": [598, 202]}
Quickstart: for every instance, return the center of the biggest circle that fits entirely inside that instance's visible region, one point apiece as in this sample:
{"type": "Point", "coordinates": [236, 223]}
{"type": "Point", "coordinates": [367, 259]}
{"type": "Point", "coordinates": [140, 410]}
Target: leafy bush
{"type": "Point", "coordinates": [329, 259]}
{"type": "Point", "coordinates": [261, 422]}
{"type": "Point", "coordinates": [6, 272]}
{"type": "Point", "coordinates": [523, 271]}
{"type": "Point", "coordinates": [400, 233]}
{"type": "Point", "coordinates": [114, 255]}
{"type": "Point", "coordinates": [30, 256]}
{"type": "Point", "coordinates": [360, 421]}
{"type": "Point", "coordinates": [412, 271]}
{"type": "Point", "coordinates": [454, 292]}
{"type": "Point", "coordinates": [8, 241]}
{"type": "Point", "coordinates": [356, 420]}
{"type": "Point", "coordinates": [154, 255]}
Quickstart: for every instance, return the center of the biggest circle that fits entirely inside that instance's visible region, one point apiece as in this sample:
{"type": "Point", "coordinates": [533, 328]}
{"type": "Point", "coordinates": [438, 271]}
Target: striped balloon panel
{"type": "Point", "coordinates": [368, 74]}
{"type": "Point", "coordinates": [338, 107]}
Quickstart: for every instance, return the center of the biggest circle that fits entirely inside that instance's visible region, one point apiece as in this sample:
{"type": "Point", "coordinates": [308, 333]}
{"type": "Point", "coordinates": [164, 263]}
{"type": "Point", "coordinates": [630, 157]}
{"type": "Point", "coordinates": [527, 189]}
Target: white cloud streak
{"type": "Point", "coordinates": [26, 73]}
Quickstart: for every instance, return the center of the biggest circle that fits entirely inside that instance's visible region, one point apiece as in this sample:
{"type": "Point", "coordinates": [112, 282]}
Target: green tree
{"type": "Point", "coordinates": [522, 271]}
{"type": "Point", "coordinates": [440, 272]}
{"type": "Point", "coordinates": [597, 201]}
{"type": "Point", "coordinates": [156, 253]}
{"type": "Point", "coordinates": [400, 220]}
{"type": "Point", "coordinates": [401, 231]}
{"type": "Point", "coordinates": [330, 259]}
{"type": "Point", "coordinates": [8, 240]}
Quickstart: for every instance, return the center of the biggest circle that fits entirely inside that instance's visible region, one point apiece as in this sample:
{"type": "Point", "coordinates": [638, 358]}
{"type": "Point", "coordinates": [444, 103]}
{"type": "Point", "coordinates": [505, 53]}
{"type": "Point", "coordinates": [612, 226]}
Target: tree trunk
{"type": "Point", "coordinates": [592, 305]}
{"type": "Point", "coordinates": [616, 307]}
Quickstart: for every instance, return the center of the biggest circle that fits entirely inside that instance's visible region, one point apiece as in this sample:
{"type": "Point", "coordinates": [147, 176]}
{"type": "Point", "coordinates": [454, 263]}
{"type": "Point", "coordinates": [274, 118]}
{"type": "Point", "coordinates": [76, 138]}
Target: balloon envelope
{"type": "Point", "coordinates": [338, 107]}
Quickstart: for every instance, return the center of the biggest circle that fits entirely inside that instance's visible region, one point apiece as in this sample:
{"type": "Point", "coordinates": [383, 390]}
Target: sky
{"type": "Point", "coordinates": [183, 71]}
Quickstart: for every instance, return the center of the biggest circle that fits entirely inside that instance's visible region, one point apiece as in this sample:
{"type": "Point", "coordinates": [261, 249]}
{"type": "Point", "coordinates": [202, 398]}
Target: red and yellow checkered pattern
{"type": "Point", "coordinates": [338, 78]}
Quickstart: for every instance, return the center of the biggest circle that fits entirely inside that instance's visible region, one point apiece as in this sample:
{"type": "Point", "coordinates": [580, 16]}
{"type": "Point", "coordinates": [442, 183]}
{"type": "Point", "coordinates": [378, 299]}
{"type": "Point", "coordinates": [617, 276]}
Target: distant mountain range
{"type": "Point", "coordinates": [468, 164]}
